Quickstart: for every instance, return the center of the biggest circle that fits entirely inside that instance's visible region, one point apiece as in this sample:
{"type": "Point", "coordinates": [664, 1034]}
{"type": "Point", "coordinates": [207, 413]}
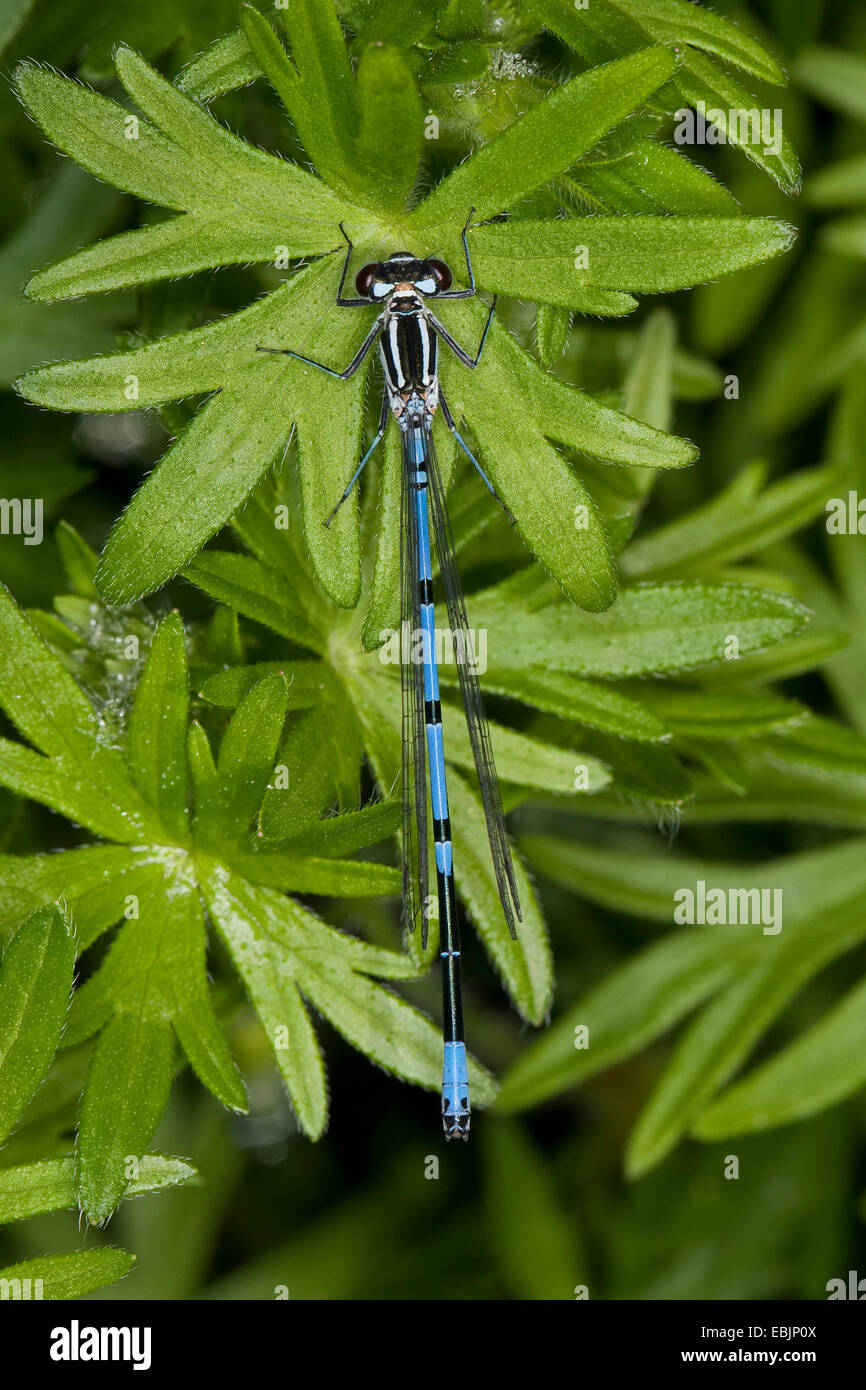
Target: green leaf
{"type": "Point", "coordinates": [535, 1243]}
{"type": "Point", "coordinates": [551, 332]}
{"type": "Point", "coordinates": [725, 1033]}
{"type": "Point", "coordinates": [155, 971]}
{"type": "Point", "coordinates": [579, 557]}
{"type": "Point", "coordinates": [94, 881]}
{"type": "Point", "coordinates": [699, 79]}
{"type": "Point", "coordinates": [527, 762]}
{"type": "Point", "coordinates": [16, 11]}
{"type": "Point", "coordinates": [634, 1004]}
{"type": "Point", "coordinates": [302, 872]}
{"type": "Point", "coordinates": [305, 789]}
{"type": "Point", "coordinates": [156, 739]}
{"type": "Point", "coordinates": [319, 95]}
{"type": "Point", "coordinates": [79, 561]}
{"type": "Point", "coordinates": [584, 702]}
{"type": "Point", "coordinates": [243, 918]}
{"type": "Point", "coordinates": [245, 763]}
{"type": "Point", "coordinates": [676, 21]}
{"type": "Point", "coordinates": [648, 177]}
{"type": "Point", "coordinates": [823, 1066]}
{"type": "Point", "coordinates": [276, 950]}
{"type": "Point", "coordinates": [819, 743]}
{"type": "Point", "coordinates": [839, 185]}
{"type": "Point", "coordinates": [648, 386]}
{"type": "Point", "coordinates": [355, 830]}
{"type": "Point", "coordinates": [547, 140]}
{"type": "Point", "coordinates": [47, 781]}
{"type": "Point", "coordinates": [613, 27]}
{"type": "Point", "coordinates": [847, 237]}
{"type": "Point", "coordinates": [665, 21]}
{"type": "Point", "coordinates": [35, 984]}
{"type": "Point", "coordinates": [202, 480]}
{"type": "Point", "coordinates": [69, 1276]}
{"type": "Point", "coordinates": [383, 615]}
{"type": "Point", "coordinates": [225, 646]}
{"type": "Point", "coordinates": [189, 164]}
{"type": "Point", "coordinates": [201, 763]}
{"type": "Point", "coordinates": [646, 883]}
{"type": "Point", "coordinates": [732, 714]}
{"type": "Point", "coordinates": [40, 697]}
{"type": "Point", "coordinates": [552, 260]}
{"type": "Point", "coordinates": [648, 771]}
{"type": "Point", "coordinates": [82, 776]}
{"type": "Point", "coordinates": [255, 591]}
{"type": "Point", "coordinates": [33, 1188]}
{"type": "Point", "coordinates": [226, 64]}
{"type": "Point", "coordinates": [737, 522]}
{"type": "Point", "coordinates": [193, 1015]}
{"type": "Point", "coordinates": [246, 422]}
{"type": "Point", "coordinates": [836, 77]}
{"type": "Point", "coordinates": [391, 118]}
{"type": "Point", "coordinates": [308, 682]}
{"type": "Point", "coordinates": [781, 791]}
{"type": "Point", "coordinates": [118, 1120]}
{"type": "Point", "coordinates": [650, 629]}
{"type": "Point", "coordinates": [69, 211]}
{"type": "Point", "coordinates": [570, 417]}
{"type": "Point", "coordinates": [793, 657]}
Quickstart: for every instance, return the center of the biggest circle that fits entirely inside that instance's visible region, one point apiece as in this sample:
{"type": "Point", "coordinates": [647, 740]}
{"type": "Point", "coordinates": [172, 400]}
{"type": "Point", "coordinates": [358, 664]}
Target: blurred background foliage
{"type": "Point", "coordinates": [538, 1203]}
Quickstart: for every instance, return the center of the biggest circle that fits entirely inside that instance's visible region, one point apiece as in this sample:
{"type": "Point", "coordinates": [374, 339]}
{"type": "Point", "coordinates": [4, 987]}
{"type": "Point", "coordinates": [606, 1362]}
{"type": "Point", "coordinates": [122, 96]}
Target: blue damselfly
{"type": "Point", "coordinates": [407, 332]}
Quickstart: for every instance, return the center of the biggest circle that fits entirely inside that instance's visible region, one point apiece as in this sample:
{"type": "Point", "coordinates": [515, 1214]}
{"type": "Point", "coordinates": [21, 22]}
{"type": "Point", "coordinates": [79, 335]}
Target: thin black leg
{"type": "Point", "coordinates": [458, 351]}
{"type": "Point", "coordinates": [449, 420]}
{"type": "Point", "coordinates": [353, 365]}
{"type": "Point", "coordinates": [383, 420]}
{"type": "Point", "coordinates": [463, 294]}
{"type": "Point", "coordinates": [353, 303]}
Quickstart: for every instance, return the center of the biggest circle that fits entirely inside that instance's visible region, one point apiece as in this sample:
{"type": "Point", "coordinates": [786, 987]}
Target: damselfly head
{"type": "Point", "coordinates": [376, 280]}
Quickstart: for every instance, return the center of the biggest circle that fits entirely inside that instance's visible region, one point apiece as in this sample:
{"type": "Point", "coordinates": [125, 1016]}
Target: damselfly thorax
{"type": "Point", "coordinates": [409, 354]}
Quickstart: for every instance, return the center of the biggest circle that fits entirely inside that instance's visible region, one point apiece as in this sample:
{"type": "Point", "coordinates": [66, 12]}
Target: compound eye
{"type": "Point", "coordinates": [365, 277]}
{"type": "Point", "coordinates": [442, 273]}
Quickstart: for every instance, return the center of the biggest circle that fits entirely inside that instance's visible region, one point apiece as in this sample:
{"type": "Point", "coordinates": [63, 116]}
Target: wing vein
{"type": "Point", "coordinates": [473, 700]}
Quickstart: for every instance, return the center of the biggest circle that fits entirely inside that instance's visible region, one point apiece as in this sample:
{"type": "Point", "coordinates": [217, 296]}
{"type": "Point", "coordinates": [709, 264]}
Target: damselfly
{"type": "Point", "coordinates": [407, 332]}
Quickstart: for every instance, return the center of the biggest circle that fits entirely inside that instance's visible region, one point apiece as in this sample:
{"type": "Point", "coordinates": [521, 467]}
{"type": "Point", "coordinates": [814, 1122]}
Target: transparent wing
{"type": "Point", "coordinates": [473, 700]}
{"type": "Point", "coordinates": [414, 782]}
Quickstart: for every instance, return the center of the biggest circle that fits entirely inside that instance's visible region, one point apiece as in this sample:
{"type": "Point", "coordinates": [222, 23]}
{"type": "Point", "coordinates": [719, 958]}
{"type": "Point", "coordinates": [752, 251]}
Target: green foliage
{"type": "Point", "coordinates": [68, 1276]}
{"type": "Point", "coordinates": [35, 984]}
{"type": "Point", "coordinates": [151, 985]}
{"type": "Point", "coordinates": [171, 155]}
{"type": "Point", "coordinates": [199, 789]}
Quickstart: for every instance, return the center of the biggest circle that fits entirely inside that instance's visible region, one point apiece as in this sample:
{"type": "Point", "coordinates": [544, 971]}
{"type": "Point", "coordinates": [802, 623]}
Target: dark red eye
{"type": "Point", "coordinates": [442, 273]}
{"type": "Point", "coordinates": [365, 277]}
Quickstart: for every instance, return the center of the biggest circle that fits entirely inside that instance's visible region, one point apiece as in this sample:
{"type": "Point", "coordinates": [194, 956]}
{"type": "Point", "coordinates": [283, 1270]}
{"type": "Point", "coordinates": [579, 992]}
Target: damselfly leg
{"type": "Point", "coordinates": [380, 434]}
{"type": "Point", "coordinates": [449, 420]}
